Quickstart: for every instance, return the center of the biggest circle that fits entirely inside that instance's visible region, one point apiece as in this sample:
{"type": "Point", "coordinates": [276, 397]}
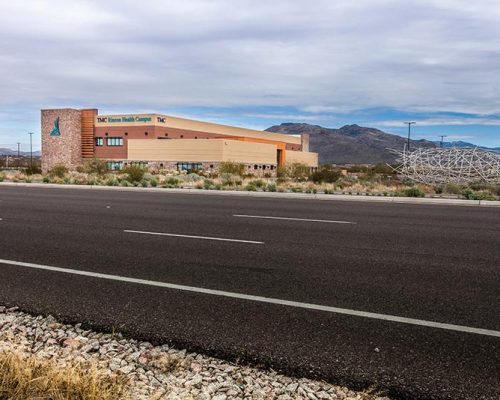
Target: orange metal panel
{"type": "Point", "coordinates": [88, 132]}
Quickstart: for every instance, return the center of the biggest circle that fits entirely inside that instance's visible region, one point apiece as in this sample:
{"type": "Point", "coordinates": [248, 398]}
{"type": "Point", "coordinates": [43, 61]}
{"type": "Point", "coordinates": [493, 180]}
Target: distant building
{"type": "Point", "coordinates": [70, 136]}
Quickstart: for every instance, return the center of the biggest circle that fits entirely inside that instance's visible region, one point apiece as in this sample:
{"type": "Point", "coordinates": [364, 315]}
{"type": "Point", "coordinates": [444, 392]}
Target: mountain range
{"type": "Point", "coordinates": [351, 144]}
{"type": "Point", "coordinates": [462, 144]}
{"type": "Point", "coordinates": [354, 144]}
{"type": "Point", "coordinates": [9, 152]}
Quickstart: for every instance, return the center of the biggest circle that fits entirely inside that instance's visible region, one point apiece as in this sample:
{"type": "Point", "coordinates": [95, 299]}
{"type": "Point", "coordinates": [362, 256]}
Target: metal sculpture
{"type": "Point", "coordinates": [449, 165]}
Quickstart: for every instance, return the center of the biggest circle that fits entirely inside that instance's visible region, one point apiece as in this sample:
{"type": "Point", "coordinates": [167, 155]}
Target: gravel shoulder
{"type": "Point", "coordinates": [155, 372]}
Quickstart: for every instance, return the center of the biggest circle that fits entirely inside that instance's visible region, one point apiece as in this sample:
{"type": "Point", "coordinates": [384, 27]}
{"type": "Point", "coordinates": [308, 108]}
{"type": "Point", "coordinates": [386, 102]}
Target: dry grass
{"type": "Point", "coordinates": [24, 378]}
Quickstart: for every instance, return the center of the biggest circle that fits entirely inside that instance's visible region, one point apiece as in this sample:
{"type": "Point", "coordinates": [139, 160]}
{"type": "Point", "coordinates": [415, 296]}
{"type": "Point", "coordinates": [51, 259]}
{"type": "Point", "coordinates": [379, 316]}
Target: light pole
{"type": "Point", "coordinates": [409, 123]}
{"type": "Point", "coordinates": [18, 155]}
{"type": "Point", "coordinates": [442, 140]}
{"type": "Point", "coordinates": [31, 150]}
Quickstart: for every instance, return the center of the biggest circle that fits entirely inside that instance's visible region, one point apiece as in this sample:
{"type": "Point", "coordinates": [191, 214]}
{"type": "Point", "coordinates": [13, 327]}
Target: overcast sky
{"type": "Point", "coordinates": [257, 62]}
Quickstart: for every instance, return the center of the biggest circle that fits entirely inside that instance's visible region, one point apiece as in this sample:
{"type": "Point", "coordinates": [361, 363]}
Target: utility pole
{"type": "Point", "coordinates": [442, 140]}
{"type": "Point", "coordinates": [31, 150]}
{"type": "Point", "coordinates": [18, 155]}
{"type": "Point", "coordinates": [409, 123]}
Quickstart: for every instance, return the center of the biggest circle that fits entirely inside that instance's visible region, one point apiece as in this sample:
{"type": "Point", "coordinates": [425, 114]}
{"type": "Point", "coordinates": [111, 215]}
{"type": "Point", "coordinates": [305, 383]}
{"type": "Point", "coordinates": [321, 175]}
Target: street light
{"type": "Point", "coordinates": [409, 123]}
{"type": "Point", "coordinates": [31, 150]}
{"type": "Point", "coordinates": [442, 140]}
{"type": "Point", "coordinates": [18, 155]}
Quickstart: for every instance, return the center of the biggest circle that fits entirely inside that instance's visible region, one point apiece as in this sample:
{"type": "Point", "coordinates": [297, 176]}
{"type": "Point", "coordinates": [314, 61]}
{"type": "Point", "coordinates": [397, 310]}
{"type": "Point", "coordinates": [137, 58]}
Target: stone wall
{"type": "Point", "coordinates": [64, 148]}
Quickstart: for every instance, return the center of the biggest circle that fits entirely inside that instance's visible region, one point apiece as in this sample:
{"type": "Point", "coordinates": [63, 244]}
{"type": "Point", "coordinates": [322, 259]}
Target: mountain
{"type": "Point", "coordinates": [462, 144]}
{"type": "Point", "coordinates": [351, 144]}
{"type": "Point", "coordinates": [9, 152]}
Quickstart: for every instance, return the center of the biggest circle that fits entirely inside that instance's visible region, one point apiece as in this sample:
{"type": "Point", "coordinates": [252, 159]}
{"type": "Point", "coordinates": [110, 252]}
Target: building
{"type": "Point", "coordinates": [70, 136]}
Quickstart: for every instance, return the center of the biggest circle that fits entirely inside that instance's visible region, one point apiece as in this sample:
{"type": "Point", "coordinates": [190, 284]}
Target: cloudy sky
{"type": "Point", "coordinates": [257, 63]}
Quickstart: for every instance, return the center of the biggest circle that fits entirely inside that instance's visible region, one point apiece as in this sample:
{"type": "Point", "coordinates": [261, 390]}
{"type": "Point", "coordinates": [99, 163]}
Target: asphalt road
{"type": "Point", "coordinates": [431, 265]}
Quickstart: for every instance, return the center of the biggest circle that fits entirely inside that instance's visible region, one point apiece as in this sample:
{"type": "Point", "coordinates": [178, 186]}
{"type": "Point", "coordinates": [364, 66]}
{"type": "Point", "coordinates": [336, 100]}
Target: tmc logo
{"type": "Point", "coordinates": [161, 119]}
{"type": "Point", "coordinates": [102, 119]}
{"type": "Point", "coordinates": [55, 130]}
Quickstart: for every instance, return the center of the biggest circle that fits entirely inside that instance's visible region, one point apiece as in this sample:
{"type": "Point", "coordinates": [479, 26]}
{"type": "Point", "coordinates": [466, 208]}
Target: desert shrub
{"type": "Point", "coordinates": [173, 182]}
{"type": "Point", "coordinates": [229, 167]}
{"type": "Point", "coordinates": [408, 182]}
{"type": "Point", "coordinates": [259, 183]}
{"type": "Point", "coordinates": [33, 170]}
{"type": "Point", "coordinates": [144, 183]}
{"type": "Point", "coordinates": [438, 189]}
{"type": "Point", "coordinates": [125, 183]}
{"type": "Point", "coordinates": [192, 177]}
{"type": "Point", "coordinates": [452, 188]}
{"type": "Point", "coordinates": [2, 177]}
{"type": "Point", "coordinates": [271, 187]}
{"type": "Point", "coordinates": [208, 183]}
{"type": "Point", "coordinates": [326, 174]}
{"type": "Point", "coordinates": [153, 182]}
{"type": "Point", "coordinates": [45, 179]}
{"type": "Point", "coordinates": [135, 173]}
{"type": "Point", "coordinates": [111, 182]}
{"type": "Point", "coordinates": [298, 172]}
{"type": "Point", "coordinates": [58, 171]}
{"type": "Point", "coordinates": [413, 192]}
{"type": "Point", "coordinates": [250, 188]}
{"type": "Point", "coordinates": [95, 166]}
{"type": "Point", "coordinates": [473, 195]}
{"type": "Point", "coordinates": [382, 168]}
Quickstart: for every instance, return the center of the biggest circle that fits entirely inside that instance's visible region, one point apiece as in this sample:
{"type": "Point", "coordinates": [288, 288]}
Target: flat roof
{"type": "Point", "coordinates": [168, 121]}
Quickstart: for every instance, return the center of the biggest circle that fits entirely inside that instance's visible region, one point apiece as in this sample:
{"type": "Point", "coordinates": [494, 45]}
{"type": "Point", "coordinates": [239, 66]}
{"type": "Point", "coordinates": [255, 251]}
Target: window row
{"type": "Point", "coordinates": [189, 166]}
{"type": "Point", "coordinates": [110, 141]}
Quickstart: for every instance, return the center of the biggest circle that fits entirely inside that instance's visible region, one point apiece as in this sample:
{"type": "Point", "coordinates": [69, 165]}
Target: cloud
{"type": "Point", "coordinates": [335, 55]}
{"type": "Point", "coordinates": [443, 122]}
{"type": "Point", "coordinates": [323, 58]}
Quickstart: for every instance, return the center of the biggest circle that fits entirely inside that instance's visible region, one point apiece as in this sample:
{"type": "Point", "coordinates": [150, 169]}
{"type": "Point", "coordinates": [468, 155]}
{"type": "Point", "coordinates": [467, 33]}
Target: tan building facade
{"type": "Point", "coordinates": [70, 136]}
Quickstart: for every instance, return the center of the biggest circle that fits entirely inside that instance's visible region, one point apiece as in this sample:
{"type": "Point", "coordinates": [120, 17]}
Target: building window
{"type": "Point", "coordinates": [141, 164]}
{"type": "Point", "coordinates": [166, 134]}
{"type": "Point", "coordinates": [99, 141]}
{"type": "Point", "coordinates": [126, 133]}
{"type": "Point", "coordinates": [196, 137]}
{"type": "Point", "coordinates": [114, 141]}
{"type": "Point", "coordinates": [115, 165]}
{"type": "Point", "coordinates": [182, 136]}
{"type": "Point", "coordinates": [189, 166]}
{"type": "Point", "coordinates": [255, 166]}
{"type": "Point", "coordinates": [145, 133]}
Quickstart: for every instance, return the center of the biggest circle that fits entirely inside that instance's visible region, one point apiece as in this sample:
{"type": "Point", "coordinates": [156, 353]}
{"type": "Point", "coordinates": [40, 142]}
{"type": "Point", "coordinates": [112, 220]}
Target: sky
{"type": "Point", "coordinates": [257, 63]}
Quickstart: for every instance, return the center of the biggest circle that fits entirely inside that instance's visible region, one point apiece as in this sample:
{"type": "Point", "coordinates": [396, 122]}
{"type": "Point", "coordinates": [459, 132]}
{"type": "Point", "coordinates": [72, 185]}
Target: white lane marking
{"type": "Point", "coordinates": [261, 299]}
{"type": "Point", "coordinates": [194, 237]}
{"type": "Point", "coordinates": [293, 219]}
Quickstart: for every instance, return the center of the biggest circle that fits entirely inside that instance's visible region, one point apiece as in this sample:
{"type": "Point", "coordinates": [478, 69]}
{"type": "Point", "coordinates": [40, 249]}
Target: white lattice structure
{"type": "Point", "coordinates": [449, 165]}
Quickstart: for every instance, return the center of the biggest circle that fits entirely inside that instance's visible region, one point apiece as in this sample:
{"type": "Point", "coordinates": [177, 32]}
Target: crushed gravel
{"type": "Point", "coordinates": [156, 372]}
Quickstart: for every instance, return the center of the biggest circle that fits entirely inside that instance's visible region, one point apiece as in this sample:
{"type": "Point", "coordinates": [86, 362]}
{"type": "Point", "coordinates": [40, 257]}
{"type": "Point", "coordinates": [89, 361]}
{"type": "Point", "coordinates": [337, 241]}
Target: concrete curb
{"type": "Point", "coordinates": [298, 196]}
